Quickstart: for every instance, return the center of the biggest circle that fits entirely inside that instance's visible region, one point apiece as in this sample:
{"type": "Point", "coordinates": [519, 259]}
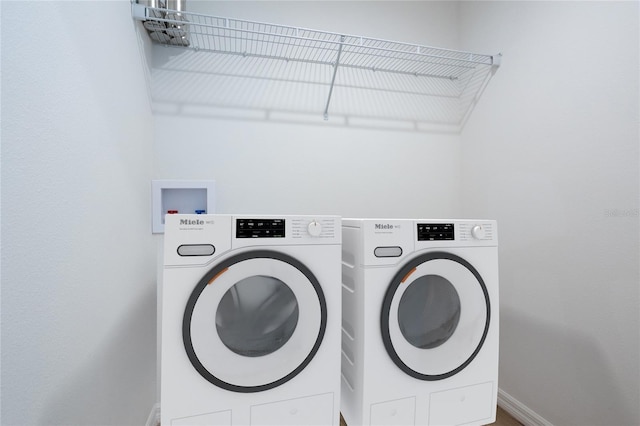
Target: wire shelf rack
{"type": "Point", "coordinates": [246, 64]}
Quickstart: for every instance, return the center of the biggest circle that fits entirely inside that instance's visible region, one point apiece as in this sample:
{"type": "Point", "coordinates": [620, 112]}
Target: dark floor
{"type": "Point", "coordinates": [505, 419]}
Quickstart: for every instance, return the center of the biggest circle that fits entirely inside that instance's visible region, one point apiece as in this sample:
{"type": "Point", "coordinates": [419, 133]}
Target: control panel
{"type": "Point", "coordinates": [477, 231]}
{"type": "Point", "coordinates": [295, 227]}
{"type": "Point", "coordinates": [435, 232]}
{"type": "Point", "coordinates": [260, 228]}
{"type": "Point", "coordinates": [315, 228]}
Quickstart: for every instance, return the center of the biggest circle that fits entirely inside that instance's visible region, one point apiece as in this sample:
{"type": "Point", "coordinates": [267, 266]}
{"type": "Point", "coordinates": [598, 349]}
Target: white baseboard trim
{"type": "Point", "coordinates": [519, 411]}
{"type": "Point", "coordinates": [154, 416]}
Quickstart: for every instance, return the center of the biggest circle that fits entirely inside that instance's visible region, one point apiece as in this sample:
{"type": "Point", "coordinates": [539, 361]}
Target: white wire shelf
{"type": "Point", "coordinates": [255, 65]}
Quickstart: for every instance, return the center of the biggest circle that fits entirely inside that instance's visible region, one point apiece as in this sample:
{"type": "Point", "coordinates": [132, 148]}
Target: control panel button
{"type": "Point", "coordinates": [478, 232]}
{"type": "Point", "coordinates": [387, 251]}
{"type": "Point", "coordinates": [314, 228]}
{"type": "Point", "coordinates": [196, 250]}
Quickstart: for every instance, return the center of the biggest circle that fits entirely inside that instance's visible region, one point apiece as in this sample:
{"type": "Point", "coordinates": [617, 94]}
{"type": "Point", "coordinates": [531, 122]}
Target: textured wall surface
{"type": "Point", "coordinates": [78, 259]}
{"type": "Point", "coordinates": [552, 153]}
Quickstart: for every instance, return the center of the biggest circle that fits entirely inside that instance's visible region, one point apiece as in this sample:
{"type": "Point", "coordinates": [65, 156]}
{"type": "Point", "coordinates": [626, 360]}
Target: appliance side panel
{"type": "Point", "coordinates": [352, 324]}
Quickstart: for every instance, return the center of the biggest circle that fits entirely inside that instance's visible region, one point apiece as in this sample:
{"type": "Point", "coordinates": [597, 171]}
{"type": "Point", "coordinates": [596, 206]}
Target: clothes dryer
{"type": "Point", "coordinates": [420, 322]}
{"type": "Point", "coordinates": [251, 320]}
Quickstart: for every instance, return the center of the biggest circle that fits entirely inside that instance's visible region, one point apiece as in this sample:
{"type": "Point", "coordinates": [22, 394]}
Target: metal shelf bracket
{"type": "Point", "coordinates": [333, 78]}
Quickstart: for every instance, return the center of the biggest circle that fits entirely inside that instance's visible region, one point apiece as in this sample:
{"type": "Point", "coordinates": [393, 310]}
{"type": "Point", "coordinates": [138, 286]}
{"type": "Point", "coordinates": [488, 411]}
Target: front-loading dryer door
{"type": "Point", "coordinates": [254, 321]}
{"type": "Point", "coordinates": [435, 316]}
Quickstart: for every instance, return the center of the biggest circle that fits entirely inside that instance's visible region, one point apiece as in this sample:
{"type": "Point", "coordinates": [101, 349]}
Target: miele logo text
{"type": "Point", "coordinates": [384, 226]}
{"type": "Point", "coordinates": [191, 222]}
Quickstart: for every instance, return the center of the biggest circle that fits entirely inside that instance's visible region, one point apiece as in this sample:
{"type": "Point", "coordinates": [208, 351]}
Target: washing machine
{"type": "Point", "coordinates": [251, 320]}
{"type": "Point", "coordinates": [419, 322]}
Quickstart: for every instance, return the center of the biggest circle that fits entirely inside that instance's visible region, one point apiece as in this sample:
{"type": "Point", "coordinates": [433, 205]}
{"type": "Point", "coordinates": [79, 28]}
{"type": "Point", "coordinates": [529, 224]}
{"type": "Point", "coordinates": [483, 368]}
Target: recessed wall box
{"type": "Point", "coordinates": [180, 196]}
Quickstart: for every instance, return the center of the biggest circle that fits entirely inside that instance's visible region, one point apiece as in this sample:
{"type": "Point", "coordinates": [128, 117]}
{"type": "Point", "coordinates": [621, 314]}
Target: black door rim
{"type": "Point", "coordinates": [217, 269]}
{"type": "Point", "coordinates": [386, 308]}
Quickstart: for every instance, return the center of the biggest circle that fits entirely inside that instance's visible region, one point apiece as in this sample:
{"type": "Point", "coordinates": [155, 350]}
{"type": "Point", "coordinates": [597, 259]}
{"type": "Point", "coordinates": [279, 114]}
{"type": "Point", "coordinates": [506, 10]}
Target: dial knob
{"type": "Point", "coordinates": [314, 228]}
{"type": "Point", "coordinates": [478, 232]}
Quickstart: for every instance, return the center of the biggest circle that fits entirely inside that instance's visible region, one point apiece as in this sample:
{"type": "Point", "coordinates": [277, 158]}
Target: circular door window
{"type": "Point", "coordinates": [254, 321]}
{"type": "Point", "coordinates": [429, 311]}
{"type": "Point", "coordinates": [257, 316]}
{"type": "Point", "coordinates": [435, 316]}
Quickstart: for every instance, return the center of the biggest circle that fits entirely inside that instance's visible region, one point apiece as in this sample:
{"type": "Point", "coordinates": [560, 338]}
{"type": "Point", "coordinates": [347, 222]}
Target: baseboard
{"type": "Point", "coordinates": [519, 411]}
{"type": "Point", "coordinates": [154, 416]}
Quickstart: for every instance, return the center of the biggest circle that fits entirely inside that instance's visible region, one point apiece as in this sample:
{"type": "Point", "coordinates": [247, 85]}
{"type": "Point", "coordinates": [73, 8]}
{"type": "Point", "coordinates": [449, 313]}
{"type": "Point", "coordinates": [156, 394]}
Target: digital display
{"type": "Point", "coordinates": [260, 228]}
{"type": "Point", "coordinates": [435, 231]}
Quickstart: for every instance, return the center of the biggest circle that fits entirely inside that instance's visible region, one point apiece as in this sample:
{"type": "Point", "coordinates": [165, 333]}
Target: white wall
{"type": "Point", "coordinates": [430, 23]}
{"type": "Point", "coordinates": [261, 166]}
{"type": "Point", "coordinates": [78, 259]}
{"type": "Point", "coordinates": [296, 169]}
{"type": "Point", "coordinates": [551, 152]}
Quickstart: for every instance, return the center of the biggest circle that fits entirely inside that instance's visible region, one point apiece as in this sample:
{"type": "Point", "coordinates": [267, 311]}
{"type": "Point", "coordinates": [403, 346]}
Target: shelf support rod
{"type": "Point", "coordinates": [333, 79]}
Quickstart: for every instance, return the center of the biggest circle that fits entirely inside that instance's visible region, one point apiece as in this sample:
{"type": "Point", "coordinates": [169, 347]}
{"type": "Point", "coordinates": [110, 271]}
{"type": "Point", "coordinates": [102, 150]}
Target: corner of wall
{"type": "Point", "coordinates": [154, 416]}
{"type": "Point", "coordinates": [519, 411]}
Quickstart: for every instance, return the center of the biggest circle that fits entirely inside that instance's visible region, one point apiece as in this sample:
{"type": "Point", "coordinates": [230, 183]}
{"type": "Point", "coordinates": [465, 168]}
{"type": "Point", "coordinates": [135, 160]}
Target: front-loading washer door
{"type": "Point", "coordinates": [254, 321]}
{"type": "Point", "coordinates": [435, 316]}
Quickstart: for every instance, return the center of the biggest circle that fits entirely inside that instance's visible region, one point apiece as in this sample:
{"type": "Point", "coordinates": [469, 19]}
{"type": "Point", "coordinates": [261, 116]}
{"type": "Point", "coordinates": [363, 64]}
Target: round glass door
{"type": "Point", "coordinates": [435, 316]}
{"type": "Point", "coordinates": [254, 321]}
{"type": "Point", "coordinates": [257, 316]}
{"type": "Point", "coordinates": [429, 311]}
